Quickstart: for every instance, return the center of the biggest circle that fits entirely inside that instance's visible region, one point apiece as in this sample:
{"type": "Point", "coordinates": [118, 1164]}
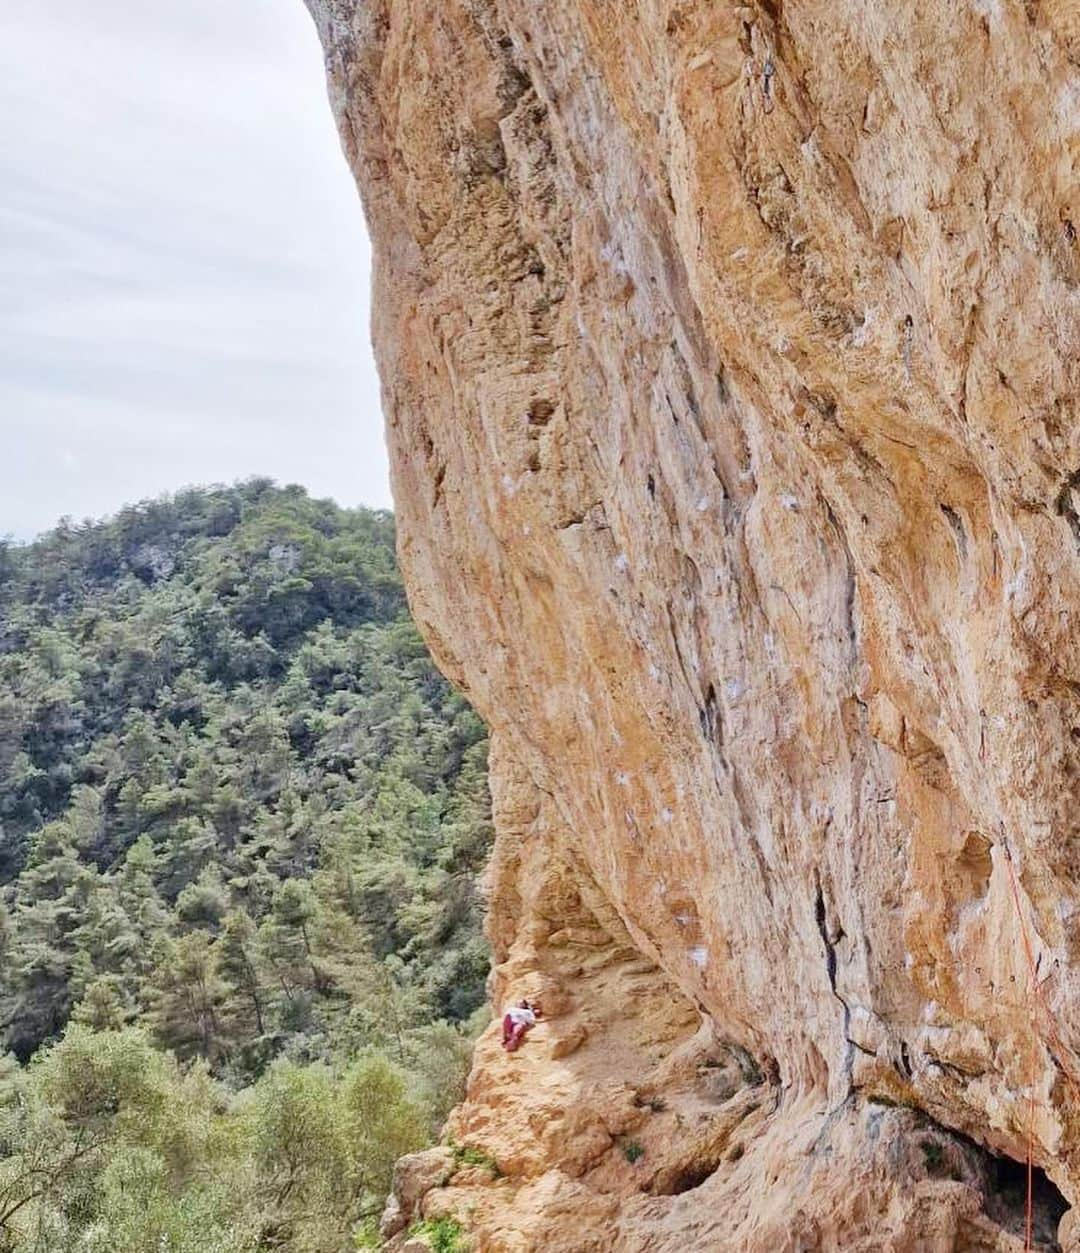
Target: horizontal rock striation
{"type": "Point", "coordinates": [730, 361]}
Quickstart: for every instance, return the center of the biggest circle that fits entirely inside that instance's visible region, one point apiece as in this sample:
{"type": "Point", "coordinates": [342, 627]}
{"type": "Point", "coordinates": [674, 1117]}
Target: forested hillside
{"type": "Point", "coordinates": [241, 819]}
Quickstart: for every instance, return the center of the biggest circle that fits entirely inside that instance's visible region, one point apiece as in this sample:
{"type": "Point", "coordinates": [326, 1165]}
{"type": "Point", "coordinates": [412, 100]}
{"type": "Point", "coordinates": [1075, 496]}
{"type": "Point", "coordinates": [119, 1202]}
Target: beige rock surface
{"type": "Point", "coordinates": [730, 358]}
{"type": "Point", "coordinates": [414, 1176]}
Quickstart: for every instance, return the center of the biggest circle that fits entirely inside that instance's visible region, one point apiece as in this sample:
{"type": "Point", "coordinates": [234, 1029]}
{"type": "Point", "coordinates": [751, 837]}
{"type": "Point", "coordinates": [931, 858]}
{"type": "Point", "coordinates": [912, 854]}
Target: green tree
{"type": "Point", "coordinates": [238, 961]}
{"type": "Point", "coordinates": [186, 994]}
{"type": "Point", "coordinates": [241, 819]}
{"type": "Point", "coordinates": [102, 1007]}
{"type": "Point", "coordinates": [383, 1123]}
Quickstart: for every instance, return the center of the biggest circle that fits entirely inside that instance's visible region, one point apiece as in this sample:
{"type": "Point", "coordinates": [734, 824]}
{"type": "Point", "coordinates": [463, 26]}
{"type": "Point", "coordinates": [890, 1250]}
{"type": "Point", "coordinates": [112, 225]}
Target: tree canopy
{"type": "Point", "coordinates": [241, 821]}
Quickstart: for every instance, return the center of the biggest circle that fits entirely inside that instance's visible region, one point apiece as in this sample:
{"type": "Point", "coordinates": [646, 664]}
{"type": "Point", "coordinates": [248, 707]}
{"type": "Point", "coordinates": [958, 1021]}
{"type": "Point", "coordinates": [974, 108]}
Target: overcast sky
{"type": "Point", "coordinates": [184, 271]}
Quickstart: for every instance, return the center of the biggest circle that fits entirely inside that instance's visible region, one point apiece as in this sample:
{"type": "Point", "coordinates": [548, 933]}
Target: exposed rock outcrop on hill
{"type": "Point", "coordinates": [730, 357]}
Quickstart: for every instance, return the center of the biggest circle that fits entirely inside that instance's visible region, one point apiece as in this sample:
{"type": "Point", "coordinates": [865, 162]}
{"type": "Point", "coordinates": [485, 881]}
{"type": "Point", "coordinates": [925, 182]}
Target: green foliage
{"type": "Point", "coordinates": [240, 804]}
{"type": "Point", "coordinates": [241, 820]}
{"type": "Point", "coordinates": [104, 1141]}
{"type": "Point", "coordinates": [632, 1151]}
{"type": "Point", "coordinates": [366, 1235]}
{"type": "Point", "coordinates": [323, 1145]}
{"type": "Point", "coordinates": [470, 1155]}
{"type": "Point", "coordinates": [109, 1144]}
{"type": "Point", "coordinates": [933, 1156]}
{"type": "Point", "coordinates": [443, 1234]}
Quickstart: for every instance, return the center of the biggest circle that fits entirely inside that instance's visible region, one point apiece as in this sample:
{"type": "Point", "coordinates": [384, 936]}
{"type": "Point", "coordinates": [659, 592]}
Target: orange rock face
{"type": "Point", "coordinates": [730, 358]}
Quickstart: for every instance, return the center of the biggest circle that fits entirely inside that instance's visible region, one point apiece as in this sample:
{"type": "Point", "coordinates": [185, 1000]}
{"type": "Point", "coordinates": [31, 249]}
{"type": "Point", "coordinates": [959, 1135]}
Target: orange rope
{"type": "Point", "coordinates": [1029, 1206]}
{"type": "Point", "coordinates": [1032, 991]}
{"type": "Point", "coordinates": [1058, 1056]}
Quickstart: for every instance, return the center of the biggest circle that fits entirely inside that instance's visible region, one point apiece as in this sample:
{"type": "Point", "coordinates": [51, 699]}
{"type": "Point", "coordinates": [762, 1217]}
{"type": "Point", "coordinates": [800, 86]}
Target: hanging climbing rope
{"type": "Point", "coordinates": [1037, 1001]}
{"type": "Point", "coordinates": [1032, 984]}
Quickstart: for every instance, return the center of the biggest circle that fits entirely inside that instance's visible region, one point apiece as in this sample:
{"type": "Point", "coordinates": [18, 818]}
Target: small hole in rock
{"type": "Point", "coordinates": [689, 1179]}
{"type": "Point", "coordinates": [974, 866]}
{"type": "Point", "coordinates": [540, 412]}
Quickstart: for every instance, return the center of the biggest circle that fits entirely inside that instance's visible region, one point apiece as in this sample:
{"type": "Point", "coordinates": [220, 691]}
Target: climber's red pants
{"type": "Point", "coordinates": [513, 1034]}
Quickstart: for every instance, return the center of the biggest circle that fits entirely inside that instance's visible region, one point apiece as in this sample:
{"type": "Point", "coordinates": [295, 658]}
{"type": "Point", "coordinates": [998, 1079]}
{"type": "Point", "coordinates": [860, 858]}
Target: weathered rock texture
{"type": "Point", "coordinates": [730, 358]}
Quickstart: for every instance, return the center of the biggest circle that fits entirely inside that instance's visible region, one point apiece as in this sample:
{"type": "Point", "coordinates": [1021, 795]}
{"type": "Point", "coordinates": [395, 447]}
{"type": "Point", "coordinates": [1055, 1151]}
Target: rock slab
{"type": "Point", "coordinates": [730, 363]}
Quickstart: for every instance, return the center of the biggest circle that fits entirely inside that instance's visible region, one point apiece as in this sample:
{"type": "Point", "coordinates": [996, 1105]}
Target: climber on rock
{"type": "Point", "coordinates": [516, 1022]}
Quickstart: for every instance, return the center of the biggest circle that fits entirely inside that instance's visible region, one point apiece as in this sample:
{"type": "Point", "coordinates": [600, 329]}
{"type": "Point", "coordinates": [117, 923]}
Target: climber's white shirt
{"type": "Point", "coordinates": [517, 1016]}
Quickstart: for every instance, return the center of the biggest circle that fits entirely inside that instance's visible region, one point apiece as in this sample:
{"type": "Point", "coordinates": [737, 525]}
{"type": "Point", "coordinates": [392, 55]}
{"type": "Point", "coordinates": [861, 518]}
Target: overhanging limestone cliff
{"type": "Point", "coordinates": [730, 363]}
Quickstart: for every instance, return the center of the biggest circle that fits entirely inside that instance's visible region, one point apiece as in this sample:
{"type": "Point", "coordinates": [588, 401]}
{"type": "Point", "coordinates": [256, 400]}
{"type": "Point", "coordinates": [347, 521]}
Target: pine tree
{"type": "Point", "coordinates": [103, 1007]}
{"type": "Point", "coordinates": [237, 960]}
{"type": "Point", "coordinates": [186, 995]}
{"type": "Point", "coordinates": [204, 902]}
{"type": "Point", "coordinates": [286, 936]}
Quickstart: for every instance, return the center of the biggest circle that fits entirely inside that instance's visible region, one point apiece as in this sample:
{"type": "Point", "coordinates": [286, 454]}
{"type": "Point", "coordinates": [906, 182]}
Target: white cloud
{"type": "Point", "coordinates": [184, 271]}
